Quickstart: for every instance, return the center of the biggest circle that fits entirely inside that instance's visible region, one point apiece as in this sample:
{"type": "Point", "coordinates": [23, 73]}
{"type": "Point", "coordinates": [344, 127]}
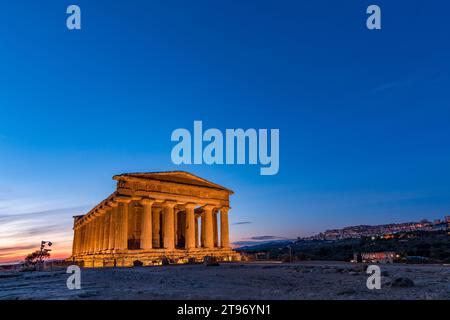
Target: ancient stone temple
{"type": "Point", "coordinates": [154, 218]}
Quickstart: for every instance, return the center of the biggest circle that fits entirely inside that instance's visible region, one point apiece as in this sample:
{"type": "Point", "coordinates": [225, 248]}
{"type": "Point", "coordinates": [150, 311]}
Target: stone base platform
{"type": "Point", "coordinates": [130, 258]}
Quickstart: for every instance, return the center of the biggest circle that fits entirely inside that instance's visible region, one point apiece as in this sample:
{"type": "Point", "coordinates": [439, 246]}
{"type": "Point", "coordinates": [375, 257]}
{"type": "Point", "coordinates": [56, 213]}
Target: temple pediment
{"type": "Point", "coordinates": [179, 177]}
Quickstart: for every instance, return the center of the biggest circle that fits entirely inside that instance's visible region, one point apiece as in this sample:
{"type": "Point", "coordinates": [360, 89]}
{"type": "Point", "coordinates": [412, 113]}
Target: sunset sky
{"type": "Point", "coordinates": [363, 115]}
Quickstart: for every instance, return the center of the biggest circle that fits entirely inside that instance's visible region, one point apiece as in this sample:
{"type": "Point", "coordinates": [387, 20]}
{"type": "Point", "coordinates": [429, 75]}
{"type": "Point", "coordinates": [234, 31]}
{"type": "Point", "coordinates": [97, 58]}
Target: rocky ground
{"type": "Point", "coordinates": [309, 280]}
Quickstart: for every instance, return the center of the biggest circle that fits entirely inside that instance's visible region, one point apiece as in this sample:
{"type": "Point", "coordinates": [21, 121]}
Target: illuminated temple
{"type": "Point", "coordinates": [155, 218]}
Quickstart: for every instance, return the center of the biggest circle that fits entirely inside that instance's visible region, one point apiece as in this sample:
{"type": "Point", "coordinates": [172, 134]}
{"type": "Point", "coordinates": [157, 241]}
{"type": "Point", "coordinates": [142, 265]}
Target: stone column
{"type": "Point", "coordinates": [190, 226]}
{"type": "Point", "coordinates": [197, 245]}
{"type": "Point", "coordinates": [118, 230]}
{"type": "Point", "coordinates": [91, 236]}
{"type": "Point", "coordinates": [146, 224]}
{"type": "Point", "coordinates": [202, 231]}
{"type": "Point", "coordinates": [122, 227]}
{"type": "Point", "coordinates": [83, 238]}
{"type": "Point", "coordinates": [97, 233]}
{"type": "Point", "coordinates": [101, 223]}
{"type": "Point", "coordinates": [169, 234]}
{"type": "Point", "coordinates": [75, 241]}
{"type": "Point", "coordinates": [86, 237]}
{"type": "Point", "coordinates": [112, 225]}
{"type": "Point", "coordinates": [156, 225]}
{"type": "Point", "coordinates": [209, 240]}
{"type": "Point", "coordinates": [215, 229]}
{"type": "Point", "coordinates": [78, 247]}
{"type": "Point", "coordinates": [106, 220]}
{"type": "Point", "coordinates": [224, 236]}
{"type": "Point", "coordinates": [87, 244]}
{"type": "Point", "coordinates": [94, 234]}
{"type": "Point", "coordinates": [175, 227]}
{"type": "Point", "coordinates": [101, 230]}
{"type": "Point", "coordinates": [80, 239]}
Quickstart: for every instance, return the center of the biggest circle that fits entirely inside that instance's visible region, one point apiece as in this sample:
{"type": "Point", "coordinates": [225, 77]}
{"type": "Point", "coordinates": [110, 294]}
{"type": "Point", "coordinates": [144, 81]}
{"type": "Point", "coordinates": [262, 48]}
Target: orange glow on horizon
{"type": "Point", "coordinates": [16, 256]}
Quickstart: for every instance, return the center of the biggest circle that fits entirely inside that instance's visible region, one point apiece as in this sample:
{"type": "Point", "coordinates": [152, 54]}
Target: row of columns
{"type": "Point", "coordinates": [107, 228]}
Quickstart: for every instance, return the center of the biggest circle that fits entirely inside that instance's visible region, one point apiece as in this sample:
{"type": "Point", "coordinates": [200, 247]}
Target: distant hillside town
{"type": "Point", "coordinates": [384, 231]}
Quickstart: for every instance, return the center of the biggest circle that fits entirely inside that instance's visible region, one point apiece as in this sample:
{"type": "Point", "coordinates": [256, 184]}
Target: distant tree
{"type": "Point", "coordinates": [37, 257]}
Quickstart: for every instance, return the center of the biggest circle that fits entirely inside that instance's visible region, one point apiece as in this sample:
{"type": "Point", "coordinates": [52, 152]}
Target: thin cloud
{"type": "Point", "coordinates": [254, 243]}
{"type": "Point", "coordinates": [262, 238]}
{"type": "Point", "coordinates": [23, 247]}
{"type": "Point", "coordinates": [243, 222]}
{"type": "Point", "coordinates": [256, 240]}
{"type": "Point", "coordinates": [13, 217]}
{"type": "Point", "coordinates": [245, 243]}
{"type": "Point", "coordinates": [393, 84]}
{"type": "Point", "coordinates": [42, 230]}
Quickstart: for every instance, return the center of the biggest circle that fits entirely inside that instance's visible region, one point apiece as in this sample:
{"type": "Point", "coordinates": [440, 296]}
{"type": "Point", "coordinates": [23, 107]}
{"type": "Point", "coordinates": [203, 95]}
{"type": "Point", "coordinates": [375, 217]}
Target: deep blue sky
{"type": "Point", "coordinates": [363, 115]}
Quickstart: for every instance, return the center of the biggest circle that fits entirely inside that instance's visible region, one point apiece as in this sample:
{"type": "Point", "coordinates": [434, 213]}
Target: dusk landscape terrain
{"type": "Point", "coordinates": [312, 280]}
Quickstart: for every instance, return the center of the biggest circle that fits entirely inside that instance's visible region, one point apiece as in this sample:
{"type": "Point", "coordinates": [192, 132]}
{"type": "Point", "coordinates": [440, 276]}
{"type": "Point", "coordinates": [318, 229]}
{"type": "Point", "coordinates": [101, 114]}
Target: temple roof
{"type": "Point", "coordinates": [181, 177]}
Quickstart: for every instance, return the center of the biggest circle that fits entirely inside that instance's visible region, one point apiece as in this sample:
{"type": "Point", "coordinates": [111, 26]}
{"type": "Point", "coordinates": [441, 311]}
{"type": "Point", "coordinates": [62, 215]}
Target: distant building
{"type": "Point", "coordinates": [443, 226]}
{"type": "Point", "coordinates": [384, 231]}
{"type": "Point", "coordinates": [378, 257]}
